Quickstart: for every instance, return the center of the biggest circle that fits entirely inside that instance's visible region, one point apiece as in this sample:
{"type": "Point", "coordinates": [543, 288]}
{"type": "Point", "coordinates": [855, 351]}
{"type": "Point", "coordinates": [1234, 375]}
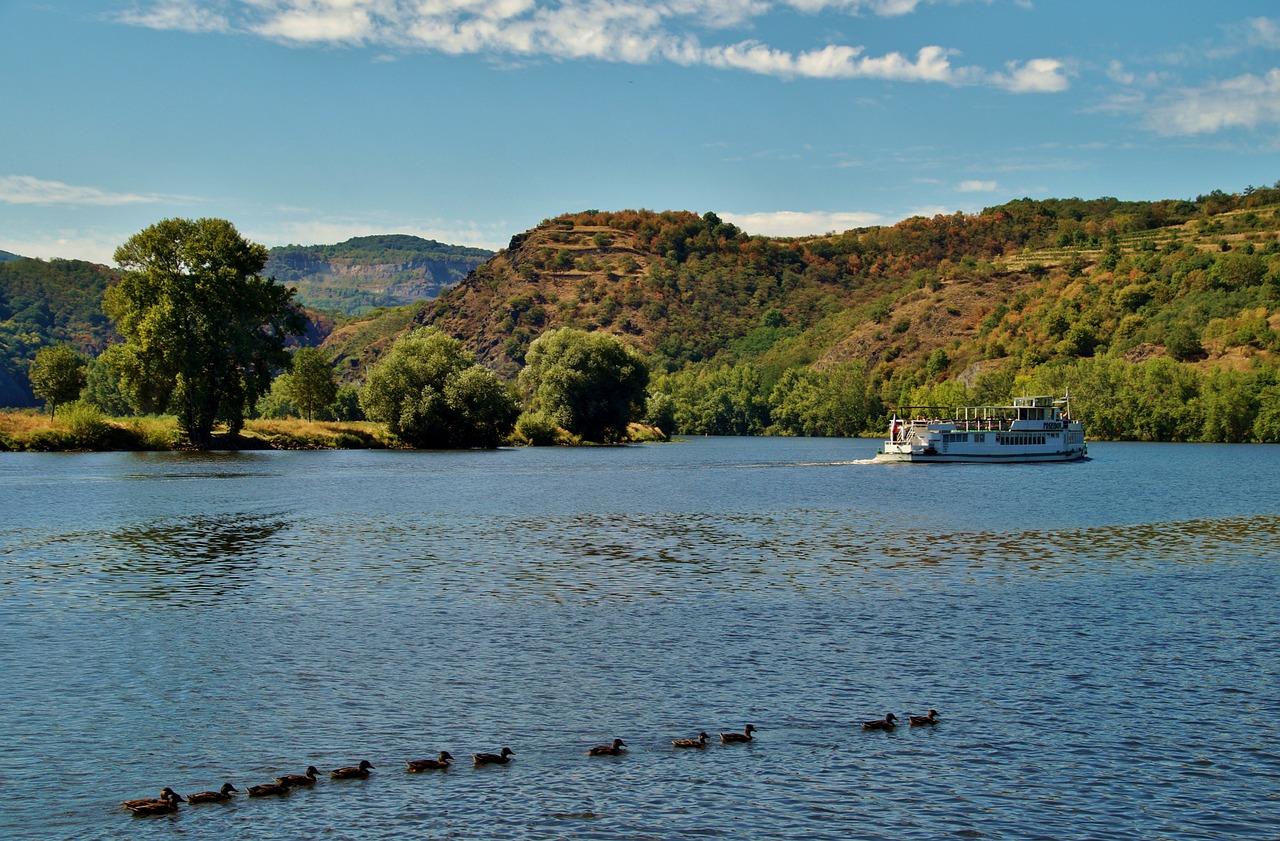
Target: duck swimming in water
{"type": "Point", "coordinates": [493, 758]}
{"type": "Point", "coordinates": [919, 720]}
{"type": "Point", "coordinates": [295, 780]}
{"type": "Point", "coordinates": [167, 796]}
{"type": "Point", "coordinates": [277, 789]}
{"type": "Point", "coordinates": [700, 742]}
{"type": "Point", "coordinates": [614, 749]}
{"type": "Point", "coordinates": [213, 796]}
{"type": "Point", "coordinates": [351, 771]}
{"type": "Point", "coordinates": [440, 763]}
{"type": "Point", "coordinates": [167, 802]}
{"type": "Point", "coordinates": [744, 736]}
{"type": "Point", "coordinates": [886, 723]}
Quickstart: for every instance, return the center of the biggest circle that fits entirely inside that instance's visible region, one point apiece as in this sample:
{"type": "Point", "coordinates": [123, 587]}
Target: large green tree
{"type": "Point", "coordinates": [58, 375]}
{"type": "Point", "coordinates": [591, 384]}
{"type": "Point", "coordinates": [204, 332]}
{"type": "Point", "coordinates": [429, 391]}
{"type": "Point", "coordinates": [310, 382]}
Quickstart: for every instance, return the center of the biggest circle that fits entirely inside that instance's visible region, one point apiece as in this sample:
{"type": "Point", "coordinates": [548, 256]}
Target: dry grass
{"type": "Point", "coordinates": [29, 429]}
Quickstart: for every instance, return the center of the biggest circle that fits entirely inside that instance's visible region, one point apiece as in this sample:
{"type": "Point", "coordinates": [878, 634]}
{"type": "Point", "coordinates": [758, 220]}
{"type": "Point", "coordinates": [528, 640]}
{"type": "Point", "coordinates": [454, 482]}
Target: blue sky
{"type": "Point", "coordinates": [467, 121]}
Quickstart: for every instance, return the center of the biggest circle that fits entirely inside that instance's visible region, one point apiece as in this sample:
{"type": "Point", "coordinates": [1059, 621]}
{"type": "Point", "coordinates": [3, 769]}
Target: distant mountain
{"type": "Point", "coordinates": [365, 273]}
{"type": "Point", "coordinates": [7, 257]}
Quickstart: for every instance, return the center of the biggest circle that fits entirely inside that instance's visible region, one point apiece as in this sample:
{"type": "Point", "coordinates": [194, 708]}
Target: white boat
{"type": "Point", "coordinates": [1032, 429]}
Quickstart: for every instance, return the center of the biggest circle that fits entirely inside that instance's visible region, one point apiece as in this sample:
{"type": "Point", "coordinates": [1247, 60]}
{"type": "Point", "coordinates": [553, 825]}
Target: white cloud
{"type": "Point", "coordinates": [1246, 101]}
{"type": "Point", "coordinates": [180, 15]}
{"type": "Point", "coordinates": [67, 245]}
{"type": "Point", "coordinates": [794, 223]}
{"type": "Point", "coordinates": [1039, 75]}
{"type": "Point", "coordinates": [1264, 32]}
{"type": "Point", "coordinates": [974, 186]}
{"type": "Point", "coordinates": [24, 189]}
{"type": "Point", "coordinates": [628, 31]}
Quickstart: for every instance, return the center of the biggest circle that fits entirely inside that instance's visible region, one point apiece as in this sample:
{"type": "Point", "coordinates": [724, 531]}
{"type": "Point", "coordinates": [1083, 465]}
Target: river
{"type": "Point", "coordinates": [1099, 640]}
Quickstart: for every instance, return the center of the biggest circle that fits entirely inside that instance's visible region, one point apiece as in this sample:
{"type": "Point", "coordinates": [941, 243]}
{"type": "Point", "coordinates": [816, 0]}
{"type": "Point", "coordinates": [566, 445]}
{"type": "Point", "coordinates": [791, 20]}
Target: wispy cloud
{"type": "Point", "coordinates": [180, 15]}
{"type": "Point", "coordinates": [1248, 101]}
{"type": "Point", "coordinates": [24, 189]}
{"type": "Point", "coordinates": [974, 186]}
{"type": "Point", "coordinates": [682, 32]}
{"type": "Point", "coordinates": [795, 223]}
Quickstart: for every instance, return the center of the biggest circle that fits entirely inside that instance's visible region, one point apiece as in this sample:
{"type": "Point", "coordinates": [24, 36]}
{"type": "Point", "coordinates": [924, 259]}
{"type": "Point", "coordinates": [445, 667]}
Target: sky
{"type": "Point", "coordinates": [469, 121]}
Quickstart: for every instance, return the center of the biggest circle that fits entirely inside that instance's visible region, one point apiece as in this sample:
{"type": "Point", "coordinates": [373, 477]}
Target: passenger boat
{"type": "Point", "coordinates": [1032, 429]}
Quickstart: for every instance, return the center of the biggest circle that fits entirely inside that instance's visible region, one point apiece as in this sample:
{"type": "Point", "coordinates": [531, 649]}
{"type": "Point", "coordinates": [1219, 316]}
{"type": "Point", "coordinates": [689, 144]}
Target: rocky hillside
{"type": "Point", "coordinates": [365, 273]}
{"type": "Point", "coordinates": [1020, 284]}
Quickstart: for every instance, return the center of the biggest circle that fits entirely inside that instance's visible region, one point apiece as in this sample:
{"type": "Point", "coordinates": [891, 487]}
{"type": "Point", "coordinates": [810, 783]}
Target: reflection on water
{"type": "Point", "coordinates": [1101, 672]}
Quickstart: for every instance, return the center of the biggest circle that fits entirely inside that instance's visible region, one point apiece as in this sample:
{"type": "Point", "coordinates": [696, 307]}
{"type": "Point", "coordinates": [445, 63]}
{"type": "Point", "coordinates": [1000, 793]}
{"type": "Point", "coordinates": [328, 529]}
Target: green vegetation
{"type": "Point", "coordinates": [43, 304]}
{"type": "Point", "coordinates": [431, 394]}
{"type": "Point", "coordinates": [203, 332]}
{"type": "Point", "coordinates": [590, 384]}
{"type": "Point", "coordinates": [58, 375]}
{"type": "Point", "coordinates": [309, 382]}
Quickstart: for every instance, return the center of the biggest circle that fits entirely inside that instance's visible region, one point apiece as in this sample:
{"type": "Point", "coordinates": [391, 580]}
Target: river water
{"type": "Point", "coordinates": [1100, 640]}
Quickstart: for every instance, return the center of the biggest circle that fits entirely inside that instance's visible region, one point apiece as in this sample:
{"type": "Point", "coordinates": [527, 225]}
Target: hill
{"type": "Point", "coordinates": [43, 303]}
{"type": "Point", "coordinates": [366, 273]}
{"type": "Point", "coordinates": [1017, 291]}
{"type": "Point", "coordinates": [7, 257]}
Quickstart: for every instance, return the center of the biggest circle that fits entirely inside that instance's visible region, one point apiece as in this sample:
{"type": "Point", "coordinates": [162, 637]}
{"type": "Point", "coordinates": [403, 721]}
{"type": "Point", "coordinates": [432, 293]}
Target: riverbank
{"type": "Point", "coordinates": [77, 428]}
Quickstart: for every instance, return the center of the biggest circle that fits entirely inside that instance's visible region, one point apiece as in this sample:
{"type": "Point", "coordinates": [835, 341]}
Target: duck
{"type": "Point", "coordinates": [744, 736]}
{"type": "Point", "coordinates": [493, 758]}
{"type": "Point", "coordinates": [352, 771]}
{"type": "Point", "coordinates": [614, 749]}
{"type": "Point", "coordinates": [918, 720]}
{"type": "Point", "coordinates": [307, 779]}
{"type": "Point", "coordinates": [213, 796]}
{"type": "Point", "coordinates": [167, 795]}
{"type": "Point", "coordinates": [440, 763]}
{"type": "Point", "coordinates": [155, 807]}
{"type": "Point", "coordinates": [886, 723]}
{"type": "Point", "coordinates": [277, 788]}
{"type": "Point", "coordinates": [700, 742]}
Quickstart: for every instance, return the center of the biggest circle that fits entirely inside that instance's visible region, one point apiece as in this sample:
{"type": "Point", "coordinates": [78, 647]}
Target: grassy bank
{"type": "Point", "coordinates": [79, 429]}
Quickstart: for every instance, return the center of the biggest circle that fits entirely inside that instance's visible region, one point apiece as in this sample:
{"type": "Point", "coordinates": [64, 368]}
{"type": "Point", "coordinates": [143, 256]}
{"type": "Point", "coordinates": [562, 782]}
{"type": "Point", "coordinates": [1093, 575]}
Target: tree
{"type": "Point", "coordinates": [310, 382]}
{"type": "Point", "coordinates": [590, 383]}
{"type": "Point", "coordinates": [58, 375]}
{"type": "Point", "coordinates": [203, 330]}
{"type": "Point", "coordinates": [429, 392]}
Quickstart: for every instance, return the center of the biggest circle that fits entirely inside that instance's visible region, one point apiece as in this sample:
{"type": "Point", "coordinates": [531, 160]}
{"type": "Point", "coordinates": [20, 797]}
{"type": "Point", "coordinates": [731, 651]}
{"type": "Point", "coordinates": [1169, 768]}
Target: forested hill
{"type": "Point", "coordinates": [1019, 284]}
{"type": "Point", "coordinates": [364, 273]}
{"type": "Point", "coordinates": [44, 303]}
{"type": "Point", "coordinates": [7, 257]}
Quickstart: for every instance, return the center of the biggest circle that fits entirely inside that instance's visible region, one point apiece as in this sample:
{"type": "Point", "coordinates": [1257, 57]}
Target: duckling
{"type": "Point", "coordinates": [493, 758]}
{"type": "Point", "coordinates": [440, 763]}
{"type": "Point", "coordinates": [614, 749]}
{"type": "Point", "coordinates": [295, 780]}
{"type": "Point", "coordinates": [167, 796]}
{"type": "Point", "coordinates": [744, 736]}
{"type": "Point", "coordinates": [886, 723]}
{"type": "Point", "coordinates": [213, 796]}
{"type": "Point", "coordinates": [277, 788]}
{"type": "Point", "coordinates": [918, 720]}
{"type": "Point", "coordinates": [700, 742]}
{"type": "Point", "coordinates": [351, 772]}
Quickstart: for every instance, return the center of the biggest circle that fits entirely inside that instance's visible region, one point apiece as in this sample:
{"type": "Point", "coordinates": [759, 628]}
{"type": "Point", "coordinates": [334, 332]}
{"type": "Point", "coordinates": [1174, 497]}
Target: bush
{"type": "Point", "coordinates": [87, 427]}
{"type": "Point", "coordinates": [537, 429]}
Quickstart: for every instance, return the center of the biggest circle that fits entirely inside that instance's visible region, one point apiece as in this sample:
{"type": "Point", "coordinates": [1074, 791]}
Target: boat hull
{"type": "Point", "coordinates": [977, 458]}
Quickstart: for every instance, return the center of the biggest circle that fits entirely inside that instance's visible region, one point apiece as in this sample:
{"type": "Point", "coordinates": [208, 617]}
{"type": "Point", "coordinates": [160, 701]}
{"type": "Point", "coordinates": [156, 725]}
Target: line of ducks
{"type": "Point", "coordinates": [169, 799]}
